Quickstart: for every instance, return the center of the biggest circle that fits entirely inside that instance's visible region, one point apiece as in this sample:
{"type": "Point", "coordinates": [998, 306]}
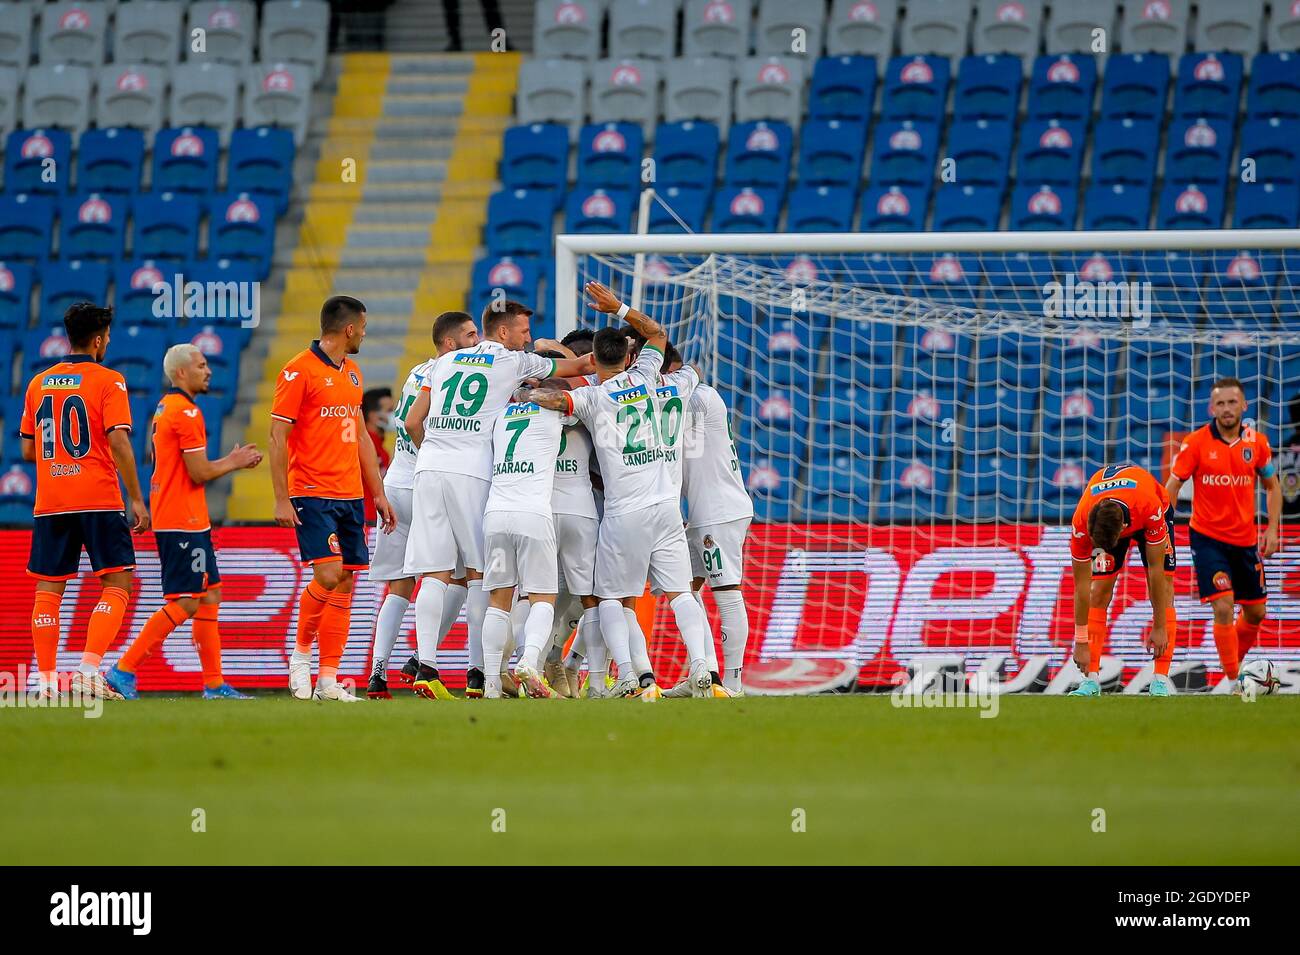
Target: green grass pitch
{"type": "Point", "coordinates": [1183, 780]}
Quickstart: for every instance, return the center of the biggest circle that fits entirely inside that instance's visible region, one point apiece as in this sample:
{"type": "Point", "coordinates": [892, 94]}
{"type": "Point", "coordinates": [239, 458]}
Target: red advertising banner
{"type": "Point", "coordinates": [878, 595]}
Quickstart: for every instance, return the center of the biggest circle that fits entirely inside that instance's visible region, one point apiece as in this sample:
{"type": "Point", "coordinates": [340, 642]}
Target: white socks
{"type": "Point", "coordinates": [613, 627]}
{"type": "Point", "coordinates": [428, 613]}
{"type": "Point", "coordinates": [496, 634]}
{"type": "Point", "coordinates": [476, 605]}
{"type": "Point", "coordinates": [735, 634]}
{"type": "Point", "coordinates": [537, 633]}
{"type": "Point", "coordinates": [635, 642]}
{"type": "Point", "coordinates": [387, 628]}
{"type": "Point", "coordinates": [593, 645]}
{"type": "Point", "coordinates": [693, 627]}
{"type": "Point", "coordinates": [451, 604]}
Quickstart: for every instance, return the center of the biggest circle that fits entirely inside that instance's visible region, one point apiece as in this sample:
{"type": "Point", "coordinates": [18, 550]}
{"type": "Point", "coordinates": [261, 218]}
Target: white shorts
{"type": "Point", "coordinates": [520, 550]}
{"type": "Point", "coordinates": [575, 542]}
{"type": "Point", "coordinates": [446, 523]}
{"type": "Point", "coordinates": [389, 558]}
{"type": "Point", "coordinates": [647, 543]}
{"type": "Point", "coordinates": [717, 551]}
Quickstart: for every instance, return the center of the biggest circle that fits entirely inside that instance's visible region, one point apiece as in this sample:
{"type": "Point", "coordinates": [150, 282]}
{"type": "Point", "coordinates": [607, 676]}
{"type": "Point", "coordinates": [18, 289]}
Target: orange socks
{"type": "Point", "coordinates": [164, 620]}
{"type": "Point", "coordinates": [310, 607]}
{"type": "Point", "coordinates": [105, 622]}
{"type": "Point", "coordinates": [207, 639]}
{"type": "Point", "coordinates": [1171, 625]}
{"type": "Point", "coordinates": [1247, 636]}
{"type": "Point", "coordinates": [334, 624]}
{"type": "Point", "coordinates": [1096, 637]}
{"type": "Point", "coordinates": [1225, 640]}
{"type": "Point", "coordinates": [45, 632]}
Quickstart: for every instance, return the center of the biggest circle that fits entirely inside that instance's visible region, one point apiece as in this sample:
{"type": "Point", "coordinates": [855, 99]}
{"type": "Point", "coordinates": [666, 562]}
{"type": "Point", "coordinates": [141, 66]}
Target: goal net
{"type": "Point", "coordinates": [916, 417]}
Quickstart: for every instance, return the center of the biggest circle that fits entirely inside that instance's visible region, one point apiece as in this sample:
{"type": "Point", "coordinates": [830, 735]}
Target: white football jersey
{"type": "Point", "coordinates": [525, 443]}
{"type": "Point", "coordinates": [468, 390]}
{"type": "Point", "coordinates": [401, 470]}
{"type": "Point", "coordinates": [712, 482]}
{"type": "Point", "coordinates": [573, 493]}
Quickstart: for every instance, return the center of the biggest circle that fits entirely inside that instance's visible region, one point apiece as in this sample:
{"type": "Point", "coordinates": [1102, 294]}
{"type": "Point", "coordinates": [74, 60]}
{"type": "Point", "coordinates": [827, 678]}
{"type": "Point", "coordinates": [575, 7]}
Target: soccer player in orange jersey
{"type": "Point", "coordinates": [1225, 459]}
{"type": "Point", "coordinates": [1120, 504]}
{"type": "Point", "coordinates": [320, 455]}
{"type": "Point", "coordinates": [190, 579]}
{"type": "Point", "coordinates": [76, 426]}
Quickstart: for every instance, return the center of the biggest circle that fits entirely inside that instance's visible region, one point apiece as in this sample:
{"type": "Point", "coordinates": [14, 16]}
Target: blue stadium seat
{"type": "Point", "coordinates": [831, 152]}
{"type": "Point", "coordinates": [916, 88]}
{"type": "Point", "coordinates": [1286, 402]}
{"type": "Point", "coordinates": [609, 155]}
{"type": "Point", "coordinates": [1074, 423]}
{"type": "Point", "coordinates": [758, 155]}
{"type": "Point", "coordinates": [535, 156]}
{"type": "Point", "coordinates": [967, 208]}
{"type": "Point", "coordinates": [903, 154]}
{"type": "Point", "coordinates": [185, 160]}
{"type": "Point", "coordinates": [1136, 85]}
{"type": "Point", "coordinates": [935, 359]}
{"type": "Point", "coordinates": [1176, 278]}
{"type": "Point", "coordinates": [1061, 87]}
{"type": "Point", "coordinates": [517, 278]}
{"type": "Point", "coordinates": [839, 488]}
{"type": "Point", "coordinates": [602, 211]}
{"type": "Point", "coordinates": [915, 489]}
{"type": "Point", "coordinates": [1039, 208]}
{"type": "Point", "coordinates": [166, 226]}
{"type": "Point", "coordinates": [950, 279]}
{"type": "Point", "coordinates": [519, 222]}
{"type": "Point", "coordinates": [1085, 361]}
{"type": "Point", "coordinates": [785, 350]}
{"type": "Point", "coordinates": [1117, 207]}
{"type": "Point", "coordinates": [110, 160]}
{"type": "Point", "coordinates": [260, 162]}
{"type": "Point", "coordinates": [133, 296]}
{"type": "Point", "coordinates": [222, 346]}
{"type": "Point", "coordinates": [742, 209]}
{"type": "Point", "coordinates": [16, 281]}
{"type": "Point", "coordinates": [1266, 205]}
{"type": "Point", "coordinates": [1190, 207]}
{"type": "Point", "coordinates": [1050, 153]}
{"type": "Point", "coordinates": [1271, 144]}
{"type": "Point", "coordinates": [981, 152]}
{"type": "Point", "coordinates": [93, 226]}
{"type": "Point", "coordinates": [1243, 361]}
{"type": "Point", "coordinates": [25, 153]}
{"type": "Point", "coordinates": [991, 487]}
{"type": "Point", "coordinates": [17, 492]}
{"type": "Point", "coordinates": [1209, 85]}
{"type": "Point", "coordinates": [770, 484]}
{"type": "Point", "coordinates": [686, 154]}
{"type": "Point", "coordinates": [776, 423]}
{"type": "Point", "coordinates": [239, 274]}
{"type": "Point", "coordinates": [1061, 481]}
{"type": "Point", "coordinates": [893, 209]}
{"type": "Point", "coordinates": [66, 282]}
{"type": "Point", "coordinates": [690, 205]}
{"type": "Point", "coordinates": [1015, 281]}
{"type": "Point", "coordinates": [1009, 360]}
{"type": "Point", "coordinates": [142, 409]}
{"type": "Point", "coordinates": [242, 226]}
{"type": "Point", "coordinates": [8, 349]}
{"type": "Point", "coordinates": [43, 347]}
{"type": "Point", "coordinates": [26, 226]}
{"type": "Point", "coordinates": [843, 87]}
{"type": "Point", "coordinates": [1274, 86]}
{"type": "Point", "coordinates": [1240, 288]}
{"type": "Point", "coordinates": [137, 352]}
{"type": "Point", "coordinates": [859, 408]}
{"type": "Point", "coordinates": [1124, 152]}
{"type": "Point", "coordinates": [11, 410]}
{"type": "Point", "coordinates": [821, 209]}
{"type": "Point", "coordinates": [1198, 151]}
{"type": "Point", "coordinates": [863, 353]}
{"type": "Point", "coordinates": [988, 87]}
{"type": "Point", "coordinates": [998, 406]}
{"type": "Point", "coordinates": [857, 439]}
{"type": "Point", "coordinates": [890, 273]}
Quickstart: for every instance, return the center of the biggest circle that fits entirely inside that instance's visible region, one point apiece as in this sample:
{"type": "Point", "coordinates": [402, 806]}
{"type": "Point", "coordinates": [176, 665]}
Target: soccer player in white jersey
{"type": "Point", "coordinates": [451, 331]}
{"type": "Point", "coordinates": [465, 392]}
{"type": "Point", "coordinates": [641, 534]}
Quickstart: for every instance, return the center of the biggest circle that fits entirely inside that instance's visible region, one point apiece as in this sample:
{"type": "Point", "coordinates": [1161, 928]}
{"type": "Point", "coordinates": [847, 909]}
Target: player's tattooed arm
{"type": "Point", "coordinates": [415, 417]}
{"type": "Point", "coordinates": [603, 300]}
{"type": "Point", "coordinates": [545, 398]}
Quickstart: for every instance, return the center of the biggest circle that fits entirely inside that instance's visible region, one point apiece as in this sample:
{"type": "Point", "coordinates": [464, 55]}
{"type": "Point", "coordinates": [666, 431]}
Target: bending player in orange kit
{"type": "Point", "coordinates": [1120, 504]}
{"type": "Point", "coordinates": [191, 582]}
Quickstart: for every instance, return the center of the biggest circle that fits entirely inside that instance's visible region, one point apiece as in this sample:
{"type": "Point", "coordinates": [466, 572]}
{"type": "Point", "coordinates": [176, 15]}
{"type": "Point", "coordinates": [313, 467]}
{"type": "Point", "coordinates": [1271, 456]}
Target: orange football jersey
{"type": "Point", "coordinates": [1224, 475]}
{"type": "Point", "coordinates": [323, 402]}
{"type": "Point", "coordinates": [1143, 497]}
{"type": "Point", "coordinates": [176, 502]}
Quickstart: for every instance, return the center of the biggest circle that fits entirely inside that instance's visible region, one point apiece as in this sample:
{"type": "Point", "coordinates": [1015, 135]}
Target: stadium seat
{"type": "Point", "coordinates": [688, 205]}
{"type": "Point", "coordinates": [136, 353]}
{"type": "Point", "coordinates": [843, 87]}
{"type": "Point", "coordinates": [1070, 26]}
{"type": "Point", "coordinates": [935, 27]}
{"type": "Point", "coordinates": [1062, 87]}
{"type": "Point", "coordinates": [131, 95]}
{"type": "Point", "coordinates": [903, 153]}
{"type": "Point", "coordinates": [1266, 205]}
{"type": "Point", "coordinates": [1136, 85]}
{"type": "Point", "coordinates": [133, 295]}
{"type": "Point", "coordinates": [1209, 85]}
{"type": "Point", "coordinates": [221, 346]}
{"type": "Point", "coordinates": [296, 31]}
{"type": "Point", "coordinates": [15, 301]}
{"type": "Point", "coordinates": [864, 27]}
{"type": "Point", "coordinates": [42, 347]}
{"type": "Point", "coordinates": [242, 226]}
{"type": "Point", "coordinates": [686, 154]}
{"type": "Point", "coordinates": [777, 21]}
{"type": "Point", "coordinates": [519, 222]}
{"type": "Point", "coordinates": [166, 226]}
{"type": "Point", "coordinates": [960, 208]}
{"type": "Point", "coordinates": [185, 160]}
{"type": "Point", "coordinates": [770, 88]}
{"type": "Point", "coordinates": [517, 278]}
{"type": "Point", "coordinates": [16, 35]}
{"type": "Point", "coordinates": [981, 152]}
{"type": "Point", "coordinates": [1176, 278]}
{"type": "Point", "coordinates": [1155, 27]}
{"type": "Point", "coordinates": [600, 211]}
{"type": "Point", "coordinates": [1036, 208]}
{"type": "Point", "coordinates": [1226, 358]}
{"type": "Point", "coordinates": [777, 423]}
{"type": "Point", "coordinates": [278, 94]}
{"type": "Point", "coordinates": [57, 95]}
{"type": "Point", "coordinates": [1008, 369]}
{"type": "Point", "coordinates": [839, 488]}
{"type": "Point", "coordinates": [951, 280]}
{"type": "Point", "coordinates": [237, 274]}
{"type": "Point", "coordinates": [26, 151]}
{"type": "Point", "coordinates": [937, 360]}
{"type": "Point", "coordinates": [535, 156]}
{"type": "Point", "coordinates": [205, 93]}
{"type": "Point", "coordinates": [716, 28]}
{"type": "Point", "coordinates": [229, 27]}
{"type": "Point", "coordinates": [916, 88]}
{"type": "Point", "coordinates": [916, 489]}
{"type": "Point", "coordinates": [66, 282]}
{"type": "Point", "coordinates": [642, 29]}
{"type": "Point", "coordinates": [568, 28]}
{"type": "Point", "coordinates": [1116, 207]}
{"type": "Point", "coordinates": [1239, 288]}
{"type": "Point", "coordinates": [1085, 362]}
{"type": "Point", "coordinates": [625, 91]}
{"type": "Point", "coordinates": [1008, 27]}
{"type": "Point", "coordinates": [893, 209]}
{"type": "Point", "coordinates": [1050, 153]}
{"type": "Point", "coordinates": [1271, 144]}
{"type": "Point", "coordinates": [93, 226]}
{"type": "Point", "coordinates": [9, 96]}
{"type": "Point", "coordinates": [745, 209]}
{"type": "Point", "coordinates": [758, 154]}
{"type": "Point", "coordinates": [1274, 86]}
{"type": "Point", "coordinates": [73, 32]}
{"type": "Point", "coordinates": [1014, 281]}
{"type": "Point", "coordinates": [1232, 25]}
{"type": "Point", "coordinates": [821, 209]}
{"type": "Point", "coordinates": [863, 353]}
{"type": "Point", "coordinates": [1061, 480]}
{"type": "Point", "coordinates": [26, 226]}
{"type": "Point", "coordinates": [699, 89]}
{"type": "Point", "coordinates": [919, 416]}
{"type": "Point", "coordinates": [148, 31]}
{"type": "Point", "coordinates": [17, 492]}
{"type": "Point", "coordinates": [831, 152]}
{"type": "Point", "coordinates": [1198, 151]}
{"type": "Point", "coordinates": [988, 87]}
{"type": "Point", "coordinates": [109, 160]}
{"type": "Point", "coordinates": [1124, 152]}
{"type": "Point", "coordinates": [609, 154]}
{"type": "Point", "coordinates": [260, 162]}
{"type": "Point", "coordinates": [214, 411]}
{"type": "Point", "coordinates": [991, 487]}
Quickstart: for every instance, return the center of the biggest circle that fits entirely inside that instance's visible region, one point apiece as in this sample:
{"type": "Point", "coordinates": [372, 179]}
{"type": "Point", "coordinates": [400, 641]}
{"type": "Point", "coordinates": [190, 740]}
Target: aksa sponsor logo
{"type": "Point", "coordinates": [1115, 484]}
{"type": "Point", "coordinates": [484, 361]}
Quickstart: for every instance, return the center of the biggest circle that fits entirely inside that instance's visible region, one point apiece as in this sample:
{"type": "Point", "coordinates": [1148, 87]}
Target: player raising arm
{"type": "Point", "coordinates": [1120, 504]}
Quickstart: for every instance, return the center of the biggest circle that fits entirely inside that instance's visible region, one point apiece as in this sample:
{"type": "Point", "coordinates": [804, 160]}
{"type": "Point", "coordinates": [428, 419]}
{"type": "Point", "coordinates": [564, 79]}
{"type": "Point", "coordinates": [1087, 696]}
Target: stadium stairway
{"type": "Point", "coordinates": [425, 132]}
